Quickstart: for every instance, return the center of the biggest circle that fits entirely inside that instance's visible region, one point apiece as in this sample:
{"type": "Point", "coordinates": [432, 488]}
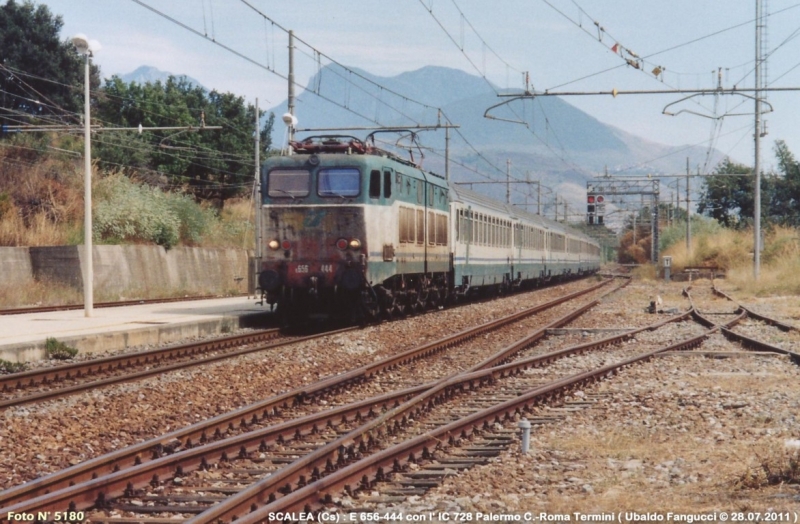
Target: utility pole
{"type": "Point", "coordinates": [258, 190]}
{"type": "Point", "coordinates": [539, 199]}
{"type": "Point", "coordinates": [291, 86]}
{"type": "Point", "coordinates": [555, 217]}
{"type": "Point", "coordinates": [688, 216]}
{"type": "Point", "coordinates": [508, 181]}
{"type": "Point", "coordinates": [447, 153]}
{"type": "Point", "coordinates": [757, 139]}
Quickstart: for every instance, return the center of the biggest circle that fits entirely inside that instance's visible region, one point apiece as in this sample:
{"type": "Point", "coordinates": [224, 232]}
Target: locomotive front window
{"type": "Point", "coordinates": [291, 183]}
{"type": "Point", "coordinates": [339, 182]}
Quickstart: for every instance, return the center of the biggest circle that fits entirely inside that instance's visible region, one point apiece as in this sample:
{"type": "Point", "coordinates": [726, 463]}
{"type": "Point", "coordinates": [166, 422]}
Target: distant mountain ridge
{"type": "Point", "coordinates": [145, 74]}
{"type": "Point", "coordinates": [555, 142]}
{"type": "Point", "coordinates": [558, 143]}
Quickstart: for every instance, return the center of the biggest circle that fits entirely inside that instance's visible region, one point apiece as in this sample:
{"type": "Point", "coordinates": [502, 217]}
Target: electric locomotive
{"type": "Point", "coordinates": [351, 231]}
{"type": "Point", "coordinates": [354, 232]}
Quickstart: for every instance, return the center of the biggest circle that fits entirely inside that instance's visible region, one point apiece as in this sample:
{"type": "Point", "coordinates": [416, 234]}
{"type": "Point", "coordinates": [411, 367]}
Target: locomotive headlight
{"type": "Point", "coordinates": [274, 244]}
{"type": "Point", "coordinates": [355, 244]}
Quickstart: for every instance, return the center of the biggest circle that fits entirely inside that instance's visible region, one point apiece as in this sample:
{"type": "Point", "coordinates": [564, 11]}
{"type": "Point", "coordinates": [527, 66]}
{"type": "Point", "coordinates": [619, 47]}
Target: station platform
{"type": "Point", "coordinates": [22, 337]}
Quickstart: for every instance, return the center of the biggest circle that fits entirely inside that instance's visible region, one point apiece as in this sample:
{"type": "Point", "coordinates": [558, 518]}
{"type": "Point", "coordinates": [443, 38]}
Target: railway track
{"type": "Point", "coordinates": [730, 324]}
{"type": "Point", "coordinates": [121, 303]}
{"type": "Point", "coordinates": [459, 437]}
{"type": "Point", "coordinates": [266, 413]}
{"type": "Point", "coordinates": [296, 460]}
{"type": "Point", "coordinates": [59, 381]}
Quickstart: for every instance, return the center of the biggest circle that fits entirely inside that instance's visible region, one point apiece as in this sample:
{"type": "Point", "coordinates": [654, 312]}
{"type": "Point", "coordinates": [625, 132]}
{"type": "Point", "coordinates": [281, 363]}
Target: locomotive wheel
{"type": "Point", "coordinates": [369, 308]}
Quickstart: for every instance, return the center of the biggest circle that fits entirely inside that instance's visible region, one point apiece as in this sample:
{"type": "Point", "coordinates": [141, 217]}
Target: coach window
{"type": "Point", "coordinates": [420, 191]}
{"type": "Point", "coordinates": [431, 228]}
{"type": "Point", "coordinates": [387, 184]}
{"type": "Point", "coordinates": [338, 182]}
{"type": "Point", "coordinates": [420, 226]}
{"type": "Point", "coordinates": [288, 183]}
{"type": "Point", "coordinates": [375, 184]}
{"type": "Point", "coordinates": [431, 191]}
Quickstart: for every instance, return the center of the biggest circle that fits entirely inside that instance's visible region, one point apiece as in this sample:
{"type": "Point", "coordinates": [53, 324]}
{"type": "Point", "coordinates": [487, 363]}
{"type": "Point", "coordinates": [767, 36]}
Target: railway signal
{"type": "Point", "coordinates": [595, 208]}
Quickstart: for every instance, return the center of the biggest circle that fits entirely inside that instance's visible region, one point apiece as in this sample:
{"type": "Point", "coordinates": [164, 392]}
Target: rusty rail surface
{"type": "Point", "coordinates": [375, 467]}
{"type": "Point", "coordinates": [755, 344]}
{"type": "Point", "coordinates": [121, 303]}
{"type": "Point", "coordinates": [783, 326]}
{"type": "Point", "coordinates": [190, 436]}
{"type": "Point", "coordinates": [143, 358]}
{"type": "Point", "coordinates": [28, 379]}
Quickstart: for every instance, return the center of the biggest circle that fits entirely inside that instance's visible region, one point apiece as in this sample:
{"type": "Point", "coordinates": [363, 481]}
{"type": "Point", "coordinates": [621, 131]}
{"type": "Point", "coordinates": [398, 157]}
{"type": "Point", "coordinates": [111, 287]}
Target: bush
{"type": "Point", "coordinates": [58, 350]}
{"type": "Point", "coordinates": [12, 367]}
{"type": "Point", "coordinates": [195, 221]}
{"type": "Point", "coordinates": [130, 212]}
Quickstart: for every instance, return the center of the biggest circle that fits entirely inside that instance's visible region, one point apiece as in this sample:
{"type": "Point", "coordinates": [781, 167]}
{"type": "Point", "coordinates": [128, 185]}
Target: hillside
{"type": "Point", "coordinates": [559, 144]}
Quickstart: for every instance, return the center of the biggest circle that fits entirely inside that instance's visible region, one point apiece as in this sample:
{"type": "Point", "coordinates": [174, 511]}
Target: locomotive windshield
{"type": "Point", "coordinates": [288, 183]}
{"type": "Point", "coordinates": [340, 181]}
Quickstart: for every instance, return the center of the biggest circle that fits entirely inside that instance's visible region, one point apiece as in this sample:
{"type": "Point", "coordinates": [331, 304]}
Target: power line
{"type": "Point", "coordinates": [483, 76]}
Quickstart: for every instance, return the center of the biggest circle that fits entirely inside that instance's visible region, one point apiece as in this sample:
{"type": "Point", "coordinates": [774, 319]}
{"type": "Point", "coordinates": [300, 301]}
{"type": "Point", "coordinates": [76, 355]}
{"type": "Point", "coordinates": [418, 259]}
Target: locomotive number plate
{"type": "Point", "coordinates": [308, 268]}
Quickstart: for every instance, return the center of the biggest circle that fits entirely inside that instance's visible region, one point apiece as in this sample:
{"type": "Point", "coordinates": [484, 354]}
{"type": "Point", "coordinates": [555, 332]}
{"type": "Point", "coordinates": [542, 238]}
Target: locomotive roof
{"type": "Point", "coordinates": [466, 196]}
{"type": "Point", "coordinates": [375, 157]}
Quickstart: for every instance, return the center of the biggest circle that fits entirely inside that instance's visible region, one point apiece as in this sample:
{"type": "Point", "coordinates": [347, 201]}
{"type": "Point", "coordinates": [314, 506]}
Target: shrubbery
{"type": "Point", "coordinates": [55, 349]}
{"type": "Point", "coordinates": [128, 212]}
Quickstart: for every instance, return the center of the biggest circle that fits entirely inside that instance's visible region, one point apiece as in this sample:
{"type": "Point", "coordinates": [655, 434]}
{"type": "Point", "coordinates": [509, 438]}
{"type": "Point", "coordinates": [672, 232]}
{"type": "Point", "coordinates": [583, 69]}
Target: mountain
{"type": "Point", "coordinates": [145, 74]}
{"type": "Point", "coordinates": [556, 142]}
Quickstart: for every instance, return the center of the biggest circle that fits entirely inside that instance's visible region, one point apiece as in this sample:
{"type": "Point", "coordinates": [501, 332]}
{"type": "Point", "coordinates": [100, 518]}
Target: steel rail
{"type": "Point", "coordinates": [783, 326]}
{"type": "Point", "coordinates": [27, 379]}
{"type": "Point", "coordinates": [120, 303]}
{"type": "Point", "coordinates": [374, 467]}
{"type": "Point", "coordinates": [79, 388]}
{"type": "Point", "coordinates": [758, 345]}
{"type": "Point", "coordinates": [97, 491]}
{"type": "Point", "coordinates": [752, 343]}
{"type": "Point", "coordinates": [364, 437]}
{"type": "Point", "coordinates": [190, 435]}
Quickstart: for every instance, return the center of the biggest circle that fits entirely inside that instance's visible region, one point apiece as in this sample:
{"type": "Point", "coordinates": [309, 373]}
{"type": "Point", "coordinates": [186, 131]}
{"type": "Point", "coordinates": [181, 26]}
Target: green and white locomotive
{"type": "Point", "coordinates": [354, 232]}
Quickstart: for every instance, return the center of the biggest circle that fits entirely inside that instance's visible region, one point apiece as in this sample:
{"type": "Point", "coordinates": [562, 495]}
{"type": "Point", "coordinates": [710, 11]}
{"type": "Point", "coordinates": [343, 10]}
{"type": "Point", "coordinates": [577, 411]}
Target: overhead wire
{"type": "Point", "coordinates": [483, 76]}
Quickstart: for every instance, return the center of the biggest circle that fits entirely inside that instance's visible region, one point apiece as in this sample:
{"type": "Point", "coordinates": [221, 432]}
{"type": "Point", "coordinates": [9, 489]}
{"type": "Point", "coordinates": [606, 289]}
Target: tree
{"type": "Point", "coordinates": [786, 196]}
{"type": "Point", "coordinates": [40, 75]}
{"type": "Point", "coordinates": [728, 199]}
{"type": "Point", "coordinates": [212, 164]}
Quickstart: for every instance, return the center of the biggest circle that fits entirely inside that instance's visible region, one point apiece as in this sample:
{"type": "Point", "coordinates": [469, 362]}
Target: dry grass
{"type": "Point", "coordinates": [645, 272]}
{"type": "Point", "coordinates": [36, 230]}
{"type": "Point", "coordinates": [36, 293]}
{"type": "Point", "coordinates": [733, 251]}
{"type": "Point", "coordinates": [771, 465]}
{"type": "Point", "coordinates": [235, 228]}
{"type": "Point", "coordinates": [47, 203]}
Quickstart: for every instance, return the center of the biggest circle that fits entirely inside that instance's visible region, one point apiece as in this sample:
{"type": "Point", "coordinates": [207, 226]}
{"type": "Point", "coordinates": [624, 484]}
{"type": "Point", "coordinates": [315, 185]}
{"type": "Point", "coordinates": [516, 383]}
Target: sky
{"type": "Point", "coordinates": [560, 43]}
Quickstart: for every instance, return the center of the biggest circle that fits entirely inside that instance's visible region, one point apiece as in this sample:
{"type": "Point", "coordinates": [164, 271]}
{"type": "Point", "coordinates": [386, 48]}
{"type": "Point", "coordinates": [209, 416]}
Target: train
{"type": "Point", "coordinates": [354, 232]}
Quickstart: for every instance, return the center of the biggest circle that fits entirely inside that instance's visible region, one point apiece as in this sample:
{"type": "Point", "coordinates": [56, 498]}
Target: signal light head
{"type": "Point", "coordinates": [600, 199]}
{"type": "Point", "coordinates": [590, 199]}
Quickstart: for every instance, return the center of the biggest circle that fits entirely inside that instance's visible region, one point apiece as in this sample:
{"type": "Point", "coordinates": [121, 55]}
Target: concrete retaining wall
{"type": "Point", "coordinates": [15, 266]}
{"type": "Point", "coordinates": [130, 271]}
